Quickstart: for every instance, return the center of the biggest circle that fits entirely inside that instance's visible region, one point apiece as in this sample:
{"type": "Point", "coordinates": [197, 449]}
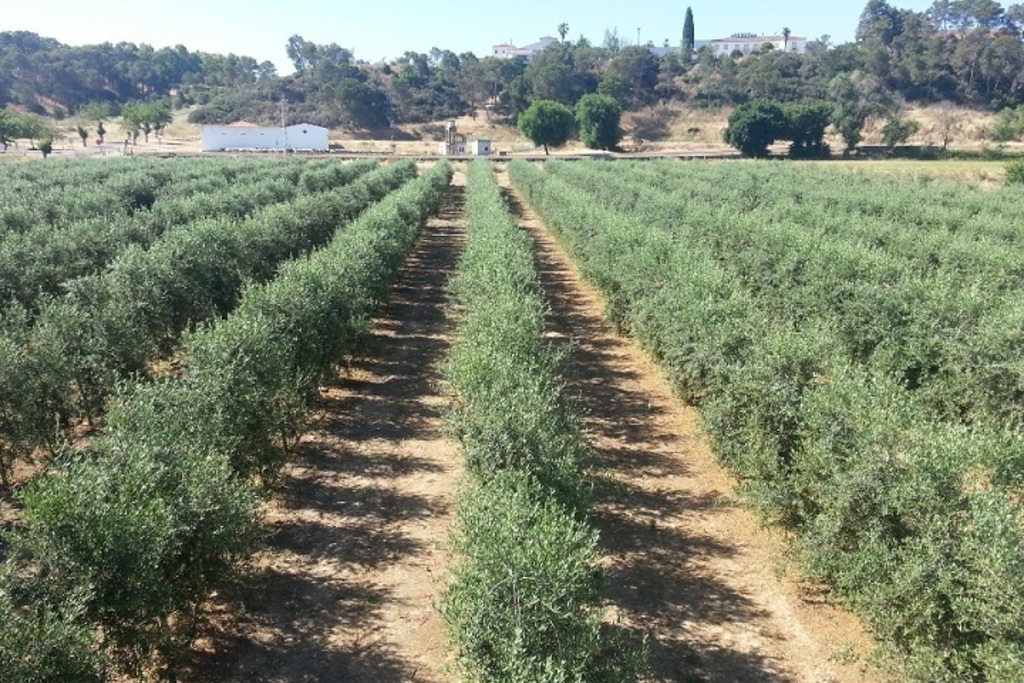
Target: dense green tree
{"type": "Point", "coordinates": [1014, 17]}
{"type": "Point", "coordinates": [688, 35]}
{"type": "Point", "coordinates": [754, 126]}
{"type": "Point", "coordinates": [858, 97]}
{"type": "Point", "coordinates": [1009, 125]}
{"type": "Point", "coordinates": [7, 128]}
{"type": "Point", "coordinates": [597, 118]}
{"type": "Point", "coordinates": [631, 77]}
{"type": "Point", "coordinates": [145, 117]}
{"type": "Point", "coordinates": [805, 124]}
{"type": "Point", "coordinates": [879, 24]}
{"type": "Point", "coordinates": [546, 124]}
{"type": "Point", "coordinates": [555, 74]}
{"type": "Point", "coordinates": [897, 131]}
{"type": "Point", "coordinates": [364, 106]}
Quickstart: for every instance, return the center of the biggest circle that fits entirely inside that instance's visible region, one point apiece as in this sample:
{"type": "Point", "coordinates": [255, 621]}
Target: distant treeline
{"type": "Point", "coordinates": [966, 52]}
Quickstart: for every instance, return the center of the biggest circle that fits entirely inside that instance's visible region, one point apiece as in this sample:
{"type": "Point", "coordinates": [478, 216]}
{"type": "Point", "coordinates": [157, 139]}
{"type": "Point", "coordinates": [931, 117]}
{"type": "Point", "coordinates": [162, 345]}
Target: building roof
{"type": "Point", "coordinates": [755, 39]}
{"type": "Point", "coordinates": [242, 124]}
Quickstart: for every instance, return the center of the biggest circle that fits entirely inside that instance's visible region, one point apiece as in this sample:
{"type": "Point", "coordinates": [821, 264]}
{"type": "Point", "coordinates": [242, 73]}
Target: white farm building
{"type": "Point", "coordinates": [248, 136]}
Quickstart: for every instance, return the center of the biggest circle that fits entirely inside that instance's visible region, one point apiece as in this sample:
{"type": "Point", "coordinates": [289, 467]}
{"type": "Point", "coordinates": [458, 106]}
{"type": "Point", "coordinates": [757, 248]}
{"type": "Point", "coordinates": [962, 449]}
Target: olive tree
{"type": "Point", "coordinates": [754, 126]}
{"type": "Point", "coordinates": [597, 117]}
{"type": "Point", "coordinates": [547, 124]}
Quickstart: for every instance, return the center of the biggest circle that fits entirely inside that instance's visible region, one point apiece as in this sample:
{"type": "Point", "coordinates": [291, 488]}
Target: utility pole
{"type": "Point", "coordinates": [284, 127]}
{"type": "Point", "coordinates": [638, 36]}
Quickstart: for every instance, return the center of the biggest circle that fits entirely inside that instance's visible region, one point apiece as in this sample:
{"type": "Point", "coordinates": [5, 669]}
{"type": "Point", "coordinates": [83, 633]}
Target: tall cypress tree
{"type": "Point", "coordinates": [688, 36]}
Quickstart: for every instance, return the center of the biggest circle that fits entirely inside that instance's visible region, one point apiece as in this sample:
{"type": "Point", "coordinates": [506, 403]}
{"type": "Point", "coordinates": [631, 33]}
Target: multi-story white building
{"type": "Point", "coordinates": [748, 43]}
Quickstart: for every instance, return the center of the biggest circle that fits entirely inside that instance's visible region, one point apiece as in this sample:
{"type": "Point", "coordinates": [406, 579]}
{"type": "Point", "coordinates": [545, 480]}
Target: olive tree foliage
{"type": "Point", "coordinates": [858, 97]}
{"type": "Point", "coordinates": [805, 128]}
{"type": "Point", "coordinates": [897, 131]}
{"type": "Point", "coordinates": [28, 126]}
{"type": "Point", "coordinates": [597, 117]}
{"type": "Point", "coordinates": [546, 124]}
{"type": "Point", "coordinates": [754, 126]}
{"type": "Point", "coordinates": [145, 117]}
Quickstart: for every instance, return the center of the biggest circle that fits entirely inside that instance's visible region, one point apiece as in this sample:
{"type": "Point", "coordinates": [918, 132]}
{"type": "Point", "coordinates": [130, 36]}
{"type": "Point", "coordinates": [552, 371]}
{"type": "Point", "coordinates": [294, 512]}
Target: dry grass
{"type": "Point", "coordinates": [968, 128]}
{"type": "Point", "coordinates": [674, 126]}
{"type": "Point", "coordinates": [423, 138]}
{"type": "Point", "coordinates": [671, 127]}
{"type": "Point", "coordinates": [679, 126]}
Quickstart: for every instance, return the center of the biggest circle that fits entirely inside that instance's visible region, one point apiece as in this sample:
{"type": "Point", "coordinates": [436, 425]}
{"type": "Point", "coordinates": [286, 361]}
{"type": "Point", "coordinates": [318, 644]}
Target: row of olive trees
{"type": "Point", "coordinates": [122, 546]}
{"type": "Point", "coordinates": [67, 362]}
{"type": "Point", "coordinates": [524, 602]}
{"type": "Point", "coordinates": [26, 127]}
{"type": "Point", "coordinates": [851, 359]}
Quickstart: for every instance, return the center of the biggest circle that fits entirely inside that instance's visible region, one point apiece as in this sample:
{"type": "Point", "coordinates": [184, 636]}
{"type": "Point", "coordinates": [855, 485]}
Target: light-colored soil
{"type": "Point", "coordinates": [345, 590]}
{"type": "Point", "coordinates": [685, 563]}
{"type": "Point", "coordinates": [347, 586]}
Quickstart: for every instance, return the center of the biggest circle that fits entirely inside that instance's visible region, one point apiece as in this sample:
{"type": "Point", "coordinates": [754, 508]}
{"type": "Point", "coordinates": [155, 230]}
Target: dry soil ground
{"type": "Point", "coordinates": [345, 589]}
{"type": "Point", "coordinates": [686, 564]}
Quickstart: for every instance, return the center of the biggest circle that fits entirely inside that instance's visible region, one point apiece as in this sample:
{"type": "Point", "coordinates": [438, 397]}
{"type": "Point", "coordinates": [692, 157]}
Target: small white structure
{"type": "Point", "coordinates": [480, 148]}
{"type": "Point", "coordinates": [748, 43]}
{"type": "Point", "coordinates": [454, 149]}
{"type": "Point", "coordinates": [247, 136]}
{"type": "Point", "coordinates": [454, 143]}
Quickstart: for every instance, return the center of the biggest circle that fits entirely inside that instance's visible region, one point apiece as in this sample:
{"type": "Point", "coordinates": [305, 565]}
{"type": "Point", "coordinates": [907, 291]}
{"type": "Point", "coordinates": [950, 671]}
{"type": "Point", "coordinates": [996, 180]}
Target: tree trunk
{"type": "Point", "coordinates": [546, 153]}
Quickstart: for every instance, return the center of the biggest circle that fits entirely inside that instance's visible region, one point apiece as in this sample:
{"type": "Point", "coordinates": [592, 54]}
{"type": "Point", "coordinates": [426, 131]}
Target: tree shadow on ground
{"type": "Point", "coordinates": [656, 577]}
{"type": "Point", "coordinates": [311, 608]}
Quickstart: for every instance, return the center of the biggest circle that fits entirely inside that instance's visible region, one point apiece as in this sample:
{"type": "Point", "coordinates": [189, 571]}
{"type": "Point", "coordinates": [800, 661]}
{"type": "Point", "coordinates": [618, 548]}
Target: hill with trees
{"type": "Point", "coordinates": [961, 52]}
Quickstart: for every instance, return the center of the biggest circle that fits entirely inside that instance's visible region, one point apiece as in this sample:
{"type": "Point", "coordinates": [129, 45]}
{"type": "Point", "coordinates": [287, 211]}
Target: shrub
{"type": "Point", "coordinates": [597, 117]}
{"type": "Point", "coordinates": [44, 638]}
{"type": "Point", "coordinates": [1015, 172]}
{"type": "Point", "coordinates": [524, 595]}
{"type": "Point", "coordinates": [546, 123]}
{"type": "Point", "coordinates": [754, 126]}
{"type": "Point", "coordinates": [1009, 125]}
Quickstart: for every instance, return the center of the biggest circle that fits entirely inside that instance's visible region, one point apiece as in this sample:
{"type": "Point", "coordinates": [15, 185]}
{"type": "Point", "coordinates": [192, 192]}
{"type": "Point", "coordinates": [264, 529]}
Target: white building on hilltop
{"type": "Point", "coordinates": [748, 43]}
{"type": "Point", "coordinates": [248, 136]}
{"type": "Point", "coordinates": [509, 51]}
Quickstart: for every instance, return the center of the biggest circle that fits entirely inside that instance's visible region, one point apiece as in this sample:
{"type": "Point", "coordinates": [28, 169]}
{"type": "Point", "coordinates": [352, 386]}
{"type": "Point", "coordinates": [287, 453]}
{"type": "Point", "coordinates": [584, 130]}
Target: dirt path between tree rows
{"type": "Point", "coordinates": [685, 562]}
{"type": "Point", "coordinates": [345, 589]}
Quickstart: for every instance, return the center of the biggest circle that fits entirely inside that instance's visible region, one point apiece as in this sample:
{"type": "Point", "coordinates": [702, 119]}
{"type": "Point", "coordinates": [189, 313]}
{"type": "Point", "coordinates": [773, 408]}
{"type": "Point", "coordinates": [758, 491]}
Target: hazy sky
{"type": "Point", "coordinates": [386, 29]}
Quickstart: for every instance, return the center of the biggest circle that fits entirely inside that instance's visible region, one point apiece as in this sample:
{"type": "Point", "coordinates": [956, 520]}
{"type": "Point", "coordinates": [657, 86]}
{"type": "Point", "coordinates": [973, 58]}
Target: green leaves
{"type": "Point", "coordinates": [854, 347]}
{"type": "Point", "coordinates": [524, 601]}
{"type": "Point", "coordinates": [163, 506]}
{"type": "Point", "coordinates": [754, 126]}
{"type": "Point", "coordinates": [597, 117]}
{"type": "Point", "coordinates": [547, 124]}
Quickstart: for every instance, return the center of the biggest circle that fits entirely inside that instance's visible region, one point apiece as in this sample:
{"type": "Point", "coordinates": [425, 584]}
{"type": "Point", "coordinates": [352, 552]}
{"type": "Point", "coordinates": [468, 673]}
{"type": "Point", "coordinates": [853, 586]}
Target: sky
{"type": "Point", "coordinates": [384, 30]}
